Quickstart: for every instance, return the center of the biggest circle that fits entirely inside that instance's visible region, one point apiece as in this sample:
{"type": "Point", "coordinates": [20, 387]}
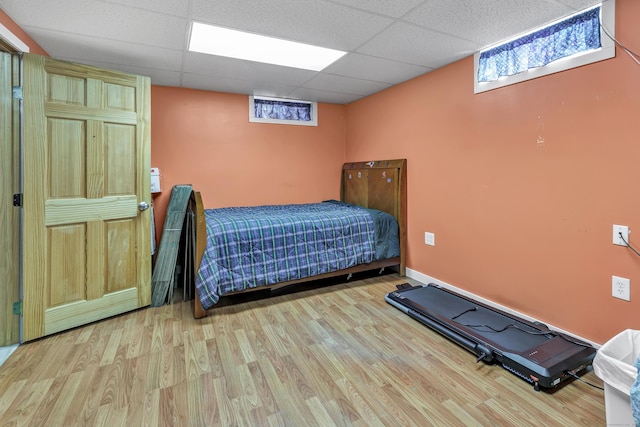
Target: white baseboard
{"type": "Point", "coordinates": [426, 279]}
{"type": "Point", "coordinates": [5, 352]}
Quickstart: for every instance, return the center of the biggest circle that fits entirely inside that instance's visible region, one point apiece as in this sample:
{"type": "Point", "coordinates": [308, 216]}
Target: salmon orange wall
{"type": "Point", "coordinates": [19, 32]}
{"type": "Point", "coordinates": [521, 185]}
{"type": "Point", "coordinates": [205, 139]}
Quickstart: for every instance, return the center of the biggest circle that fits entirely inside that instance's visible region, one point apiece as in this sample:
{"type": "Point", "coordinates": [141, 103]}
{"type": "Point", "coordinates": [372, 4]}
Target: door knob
{"type": "Point", "coordinates": [143, 206]}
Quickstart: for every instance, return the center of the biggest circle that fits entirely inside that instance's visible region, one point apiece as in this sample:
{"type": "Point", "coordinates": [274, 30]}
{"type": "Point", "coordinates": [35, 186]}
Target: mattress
{"type": "Point", "coordinates": [250, 247]}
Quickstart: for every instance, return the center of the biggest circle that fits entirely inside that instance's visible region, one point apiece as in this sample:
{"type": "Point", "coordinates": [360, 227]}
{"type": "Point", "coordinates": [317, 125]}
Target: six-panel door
{"type": "Point", "coordinates": [86, 245]}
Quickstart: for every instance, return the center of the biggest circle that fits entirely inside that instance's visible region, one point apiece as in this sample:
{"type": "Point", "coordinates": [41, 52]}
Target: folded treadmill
{"type": "Point", "coordinates": [530, 350]}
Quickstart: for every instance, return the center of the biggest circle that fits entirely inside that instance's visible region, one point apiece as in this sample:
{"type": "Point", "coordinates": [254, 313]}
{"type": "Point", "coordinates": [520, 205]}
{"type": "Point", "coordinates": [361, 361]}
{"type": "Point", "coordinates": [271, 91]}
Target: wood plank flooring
{"type": "Point", "coordinates": [322, 357]}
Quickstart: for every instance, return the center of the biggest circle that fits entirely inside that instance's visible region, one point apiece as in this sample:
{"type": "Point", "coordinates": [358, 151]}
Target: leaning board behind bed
{"type": "Point", "coordinates": [375, 185]}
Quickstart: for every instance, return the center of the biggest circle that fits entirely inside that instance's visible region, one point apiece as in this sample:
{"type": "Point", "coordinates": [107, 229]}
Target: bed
{"type": "Point", "coordinates": [242, 249]}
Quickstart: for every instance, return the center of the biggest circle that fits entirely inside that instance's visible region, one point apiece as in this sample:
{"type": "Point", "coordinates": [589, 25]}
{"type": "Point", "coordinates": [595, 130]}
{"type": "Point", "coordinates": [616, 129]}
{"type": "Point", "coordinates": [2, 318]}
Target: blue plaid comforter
{"type": "Point", "coordinates": [249, 247]}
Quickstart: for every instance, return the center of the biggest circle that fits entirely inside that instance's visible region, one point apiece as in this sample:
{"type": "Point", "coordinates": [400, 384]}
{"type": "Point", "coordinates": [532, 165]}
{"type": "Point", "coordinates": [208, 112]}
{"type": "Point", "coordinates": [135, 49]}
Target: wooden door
{"type": "Point", "coordinates": [86, 244]}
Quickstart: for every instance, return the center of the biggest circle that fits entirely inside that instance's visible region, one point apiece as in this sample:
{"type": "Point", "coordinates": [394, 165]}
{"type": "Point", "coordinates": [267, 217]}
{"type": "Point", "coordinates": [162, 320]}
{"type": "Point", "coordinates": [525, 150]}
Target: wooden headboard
{"type": "Point", "coordinates": [379, 185]}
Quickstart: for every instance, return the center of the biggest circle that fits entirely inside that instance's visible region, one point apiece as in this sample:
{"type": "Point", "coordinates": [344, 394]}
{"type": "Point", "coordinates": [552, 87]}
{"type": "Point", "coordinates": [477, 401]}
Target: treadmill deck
{"type": "Point", "coordinates": [532, 351]}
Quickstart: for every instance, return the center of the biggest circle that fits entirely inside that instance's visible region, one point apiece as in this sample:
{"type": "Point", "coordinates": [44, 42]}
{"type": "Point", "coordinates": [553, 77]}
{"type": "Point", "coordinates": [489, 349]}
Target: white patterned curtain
{"type": "Point", "coordinates": [580, 33]}
{"type": "Point", "coordinates": [282, 110]}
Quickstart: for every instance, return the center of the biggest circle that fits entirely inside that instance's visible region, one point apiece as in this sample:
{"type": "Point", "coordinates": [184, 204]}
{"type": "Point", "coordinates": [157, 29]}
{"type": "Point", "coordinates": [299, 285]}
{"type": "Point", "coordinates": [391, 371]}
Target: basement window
{"type": "Point", "coordinates": [282, 111]}
{"type": "Point", "coordinates": [580, 39]}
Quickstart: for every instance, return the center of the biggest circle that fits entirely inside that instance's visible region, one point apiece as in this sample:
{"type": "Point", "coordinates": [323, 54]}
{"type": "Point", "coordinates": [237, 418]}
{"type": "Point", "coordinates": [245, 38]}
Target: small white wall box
{"type": "Point", "coordinates": [155, 180]}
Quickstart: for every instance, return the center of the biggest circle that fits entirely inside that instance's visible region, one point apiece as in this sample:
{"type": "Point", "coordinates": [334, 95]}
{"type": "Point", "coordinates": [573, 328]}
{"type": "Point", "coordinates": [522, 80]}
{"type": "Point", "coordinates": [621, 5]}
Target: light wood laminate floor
{"type": "Point", "coordinates": [322, 357]}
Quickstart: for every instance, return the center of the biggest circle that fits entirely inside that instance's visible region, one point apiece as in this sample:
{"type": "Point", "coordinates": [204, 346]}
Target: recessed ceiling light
{"type": "Point", "coordinates": [252, 47]}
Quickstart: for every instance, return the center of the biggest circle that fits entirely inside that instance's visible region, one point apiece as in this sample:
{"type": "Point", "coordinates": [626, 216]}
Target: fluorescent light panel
{"type": "Point", "coordinates": [252, 47]}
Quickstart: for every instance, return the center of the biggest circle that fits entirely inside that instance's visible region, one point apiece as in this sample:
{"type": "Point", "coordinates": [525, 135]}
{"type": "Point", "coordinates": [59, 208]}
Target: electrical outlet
{"type": "Point", "coordinates": [620, 229]}
{"type": "Point", "coordinates": [429, 238]}
{"type": "Point", "coordinates": [621, 288]}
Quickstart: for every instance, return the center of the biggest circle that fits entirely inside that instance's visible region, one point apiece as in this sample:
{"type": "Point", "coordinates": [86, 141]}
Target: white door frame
{"type": "Point", "coordinates": [11, 43]}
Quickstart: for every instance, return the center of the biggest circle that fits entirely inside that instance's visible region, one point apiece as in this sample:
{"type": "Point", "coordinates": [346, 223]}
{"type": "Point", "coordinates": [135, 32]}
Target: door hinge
{"type": "Point", "coordinates": [17, 308]}
{"type": "Point", "coordinates": [17, 92]}
{"type": "Point", "coordinates": [17, 200]}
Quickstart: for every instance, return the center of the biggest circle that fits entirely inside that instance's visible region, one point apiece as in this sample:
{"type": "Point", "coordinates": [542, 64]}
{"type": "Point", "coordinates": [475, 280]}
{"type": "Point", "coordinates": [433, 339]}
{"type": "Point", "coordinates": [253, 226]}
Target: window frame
{"type": "Point", "coordinates": [607, 51]}
{"type": "Point", "coordinates": [254, 119]}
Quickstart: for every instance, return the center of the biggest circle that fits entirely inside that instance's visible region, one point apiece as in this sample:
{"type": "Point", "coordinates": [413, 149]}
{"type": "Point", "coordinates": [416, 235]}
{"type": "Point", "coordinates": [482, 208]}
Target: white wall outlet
{"type": "Point", "coordinates": [429, 238]}
{"type": "Point", "coordinates": [621, 288]}
{"type": "Point", "coordinates": [617, 229]}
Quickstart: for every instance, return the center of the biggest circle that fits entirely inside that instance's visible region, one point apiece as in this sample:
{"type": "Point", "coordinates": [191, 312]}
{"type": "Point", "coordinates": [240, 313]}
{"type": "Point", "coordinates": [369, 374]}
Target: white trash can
{"type": "Point", "coordinates": [614, 364]}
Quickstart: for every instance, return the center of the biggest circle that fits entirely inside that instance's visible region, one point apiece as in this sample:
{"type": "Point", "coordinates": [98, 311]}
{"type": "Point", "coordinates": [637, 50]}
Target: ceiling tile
{"type": "Point", "coordinates": [578, 5]}
{"type": "Point", "coordinates": [323, 96]}
{"type": "Point", "coordinates": [391, 8]}
{"type": "Point", "coordinates": [219, 66]}
{"type": "Point", "coordinates": [350, 85]}
{"type": "Point", "coordinates": [91, 49]}
{"type": "Point", "coordinates": [485, 22]}
{"type": "Point", "coordinates": [275, 91]}
{"type": "Point", "coordinates": [106, 20]}
{"type": "Point", "coordinates": [203, 82]}
{"type": "Point", "coordinates": [412, 44]}
{"type": "Point", "coordinates": [377, 69]}
{"type": "Point", "coordinates": [158, 77]}
{"type": "Point", "coordinates": [309, 21]}
{"type": "Point", "coordinates": [170, 7]}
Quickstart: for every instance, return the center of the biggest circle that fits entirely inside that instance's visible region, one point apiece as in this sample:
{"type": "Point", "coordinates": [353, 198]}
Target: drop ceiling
{"type": "Point", "coordinates": [388, 41]}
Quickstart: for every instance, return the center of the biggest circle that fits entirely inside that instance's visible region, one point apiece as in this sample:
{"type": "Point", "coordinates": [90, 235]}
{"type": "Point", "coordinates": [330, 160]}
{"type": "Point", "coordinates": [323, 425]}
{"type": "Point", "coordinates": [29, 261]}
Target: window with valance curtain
{"type": "Point", "coordinates": [283, 111]}
{"type": "Point", "coordinates": [576, 34]}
